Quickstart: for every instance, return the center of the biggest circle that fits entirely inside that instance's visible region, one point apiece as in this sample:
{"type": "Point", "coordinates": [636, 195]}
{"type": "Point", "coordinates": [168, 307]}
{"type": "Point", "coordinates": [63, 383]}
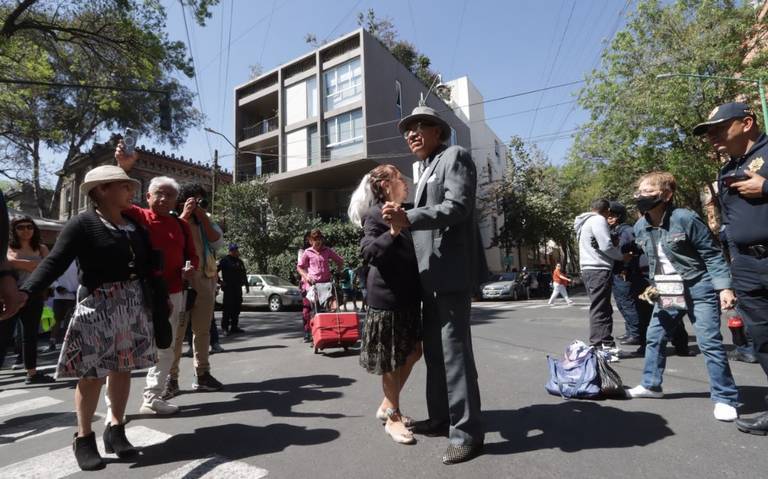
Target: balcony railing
{"type": "Point", "coordinates": [260, 128]}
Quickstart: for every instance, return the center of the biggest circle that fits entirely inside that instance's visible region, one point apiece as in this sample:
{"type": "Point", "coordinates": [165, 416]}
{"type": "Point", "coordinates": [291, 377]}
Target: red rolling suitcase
{"type": "Point", "coordinates": [334, 330]}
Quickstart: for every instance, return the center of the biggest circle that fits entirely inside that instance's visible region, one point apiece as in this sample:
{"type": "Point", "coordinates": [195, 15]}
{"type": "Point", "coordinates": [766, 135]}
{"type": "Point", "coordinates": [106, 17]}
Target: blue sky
{"type": "Point", "coordinates": [505, 47]}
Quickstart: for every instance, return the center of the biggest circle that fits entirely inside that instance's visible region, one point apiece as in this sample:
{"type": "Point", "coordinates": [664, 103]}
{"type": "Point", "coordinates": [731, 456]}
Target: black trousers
{"type": "Point", "coordinates": [29, 318]}
{"type": "Point", "coordinates": [233, 304]}
{"type": "Point", "coordinates": [750, 280]}
{"type": "Point", "coordinates": [598, 283]}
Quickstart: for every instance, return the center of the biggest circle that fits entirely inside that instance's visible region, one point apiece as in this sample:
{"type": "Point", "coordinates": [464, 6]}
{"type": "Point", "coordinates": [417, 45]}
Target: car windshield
{"type": "Point", "coordinates": [504, 277]}
{"type": "Point", "coordinates": [276, 281]}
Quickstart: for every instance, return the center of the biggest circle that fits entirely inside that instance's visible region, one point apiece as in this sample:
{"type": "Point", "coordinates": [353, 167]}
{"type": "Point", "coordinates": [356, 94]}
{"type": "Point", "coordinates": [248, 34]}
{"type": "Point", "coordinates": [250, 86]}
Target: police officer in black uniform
{"type": "Point", "coordinates": [743, 193]}
{"type": "Point", "coordinates": [233, 278]}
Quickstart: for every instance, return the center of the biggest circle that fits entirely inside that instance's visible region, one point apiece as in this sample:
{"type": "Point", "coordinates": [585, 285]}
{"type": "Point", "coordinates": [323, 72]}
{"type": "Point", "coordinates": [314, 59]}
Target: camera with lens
{"type": "Point", "coordinates": [203, 203]}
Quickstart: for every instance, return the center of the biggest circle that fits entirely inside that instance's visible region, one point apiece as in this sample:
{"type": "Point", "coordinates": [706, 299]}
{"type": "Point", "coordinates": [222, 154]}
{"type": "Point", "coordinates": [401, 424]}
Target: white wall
{"type": "Point", "coordinates": [490, 167]}
{"type": "Point", "coordinates": [296, 149]}
{"type": "Point", "coordinates": [296, 103]}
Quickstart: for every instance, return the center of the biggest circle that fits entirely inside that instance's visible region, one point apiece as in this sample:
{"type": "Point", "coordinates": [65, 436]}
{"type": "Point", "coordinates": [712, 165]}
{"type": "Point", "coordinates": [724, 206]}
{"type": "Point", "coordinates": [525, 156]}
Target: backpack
{"type": "Point", "coordinates": [576, 375]}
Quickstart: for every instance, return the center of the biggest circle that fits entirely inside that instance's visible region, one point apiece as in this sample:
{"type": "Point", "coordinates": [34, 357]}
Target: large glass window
{"type": "Point", "coordinates": [398, 99]}
{"type": "Point", "coordinates": [345, 134]}
{"type": "Point", "coordinates": [312, 99]}
{"type": "Point", "coordinates": [343, 84]}
{"type": "Point", "coordinates": [313, 145]}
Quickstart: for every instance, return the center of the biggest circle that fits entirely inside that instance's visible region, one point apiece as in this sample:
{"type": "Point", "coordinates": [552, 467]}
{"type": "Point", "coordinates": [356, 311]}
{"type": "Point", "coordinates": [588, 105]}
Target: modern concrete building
{"type": "Point", "coordinates": [490, 155]}
{"type": "Point", "coordinates": [317, 124]}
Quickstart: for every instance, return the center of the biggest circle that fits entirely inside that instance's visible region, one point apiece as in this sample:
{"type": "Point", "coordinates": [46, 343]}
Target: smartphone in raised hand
{"type": "Point", "coordinates": [129, 141]}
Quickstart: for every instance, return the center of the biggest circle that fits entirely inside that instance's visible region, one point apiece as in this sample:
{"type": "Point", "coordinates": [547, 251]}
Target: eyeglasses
{"type": "Point", "coordinates": [25, 227]}
{"type": "Point", "coordinates": [418, 129]}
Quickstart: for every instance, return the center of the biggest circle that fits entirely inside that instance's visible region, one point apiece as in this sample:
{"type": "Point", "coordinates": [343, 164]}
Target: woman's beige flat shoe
{"type": "Point", "coordinates": [381, 415]}
{"type": "Point", "coordinates": [400, 438]}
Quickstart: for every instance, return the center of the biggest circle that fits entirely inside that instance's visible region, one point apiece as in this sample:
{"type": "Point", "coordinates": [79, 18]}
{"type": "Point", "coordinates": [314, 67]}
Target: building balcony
{"type": "Point", "coordinates": [261, 128]}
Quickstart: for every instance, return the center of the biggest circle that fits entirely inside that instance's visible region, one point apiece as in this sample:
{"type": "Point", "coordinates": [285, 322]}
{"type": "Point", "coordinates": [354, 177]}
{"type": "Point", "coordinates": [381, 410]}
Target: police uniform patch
{"type": "Point", "coordinates": [756, 164]}
{"type": "Point", "coordinates": [713, 113]}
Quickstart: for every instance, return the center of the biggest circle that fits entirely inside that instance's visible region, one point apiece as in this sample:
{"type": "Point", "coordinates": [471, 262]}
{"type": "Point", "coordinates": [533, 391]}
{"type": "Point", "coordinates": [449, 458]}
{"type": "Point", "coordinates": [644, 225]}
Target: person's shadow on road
{"type": "Point", "coordinates": [278, 396]}
{"type": "Point", "coordinates": [572, 426]}
{"type": "Point", "coordinates": [233, 441]}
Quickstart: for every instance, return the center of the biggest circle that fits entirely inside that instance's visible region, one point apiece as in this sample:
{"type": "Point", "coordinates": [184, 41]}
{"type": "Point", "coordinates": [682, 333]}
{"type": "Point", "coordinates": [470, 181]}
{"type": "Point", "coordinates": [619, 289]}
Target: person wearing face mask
{"type": "Point", "coordinates": [691, 275]}
{"type": "Point", "coordinates": [732, 130]}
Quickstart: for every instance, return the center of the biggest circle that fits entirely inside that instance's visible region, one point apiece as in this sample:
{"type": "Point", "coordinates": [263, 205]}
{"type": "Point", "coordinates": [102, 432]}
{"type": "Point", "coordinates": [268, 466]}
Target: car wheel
{"type": "Point", "coordinates": [275, 303]}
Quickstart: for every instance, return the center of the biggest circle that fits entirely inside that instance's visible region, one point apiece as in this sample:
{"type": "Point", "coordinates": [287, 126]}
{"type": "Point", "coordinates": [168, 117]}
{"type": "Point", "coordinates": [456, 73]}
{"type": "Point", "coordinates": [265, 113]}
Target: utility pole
{"type": "Point", "coordinates": [213, 174]}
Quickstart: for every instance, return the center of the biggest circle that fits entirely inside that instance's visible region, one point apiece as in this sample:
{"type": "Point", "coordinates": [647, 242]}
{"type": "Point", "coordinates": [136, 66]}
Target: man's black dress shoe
{"type": "Point", "coordinates": [430, 428]}
{"type": "Point", "coordinates": [757, 425]}
{"type": "Point", "coordinates": [457, 454]}
{"type": "Point", "coordinates": [631, 341]}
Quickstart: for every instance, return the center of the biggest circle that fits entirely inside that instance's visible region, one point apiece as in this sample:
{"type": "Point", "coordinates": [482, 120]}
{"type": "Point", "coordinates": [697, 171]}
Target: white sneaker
{"type": "Point", "coordinates": [725, 412]}
{"type": "Point", "coordinates": [640, 391]}
{"type": "Point", "coordinates": [159, 407]}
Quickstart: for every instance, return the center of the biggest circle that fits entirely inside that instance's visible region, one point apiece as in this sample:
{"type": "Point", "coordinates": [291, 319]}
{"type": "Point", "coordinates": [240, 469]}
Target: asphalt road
{"type": "Point", "coordinates": [286, 412]}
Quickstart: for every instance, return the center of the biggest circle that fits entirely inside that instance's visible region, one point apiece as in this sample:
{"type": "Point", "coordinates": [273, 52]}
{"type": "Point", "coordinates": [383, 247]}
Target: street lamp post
{"type": "Point", "coordinates": [758, 82]}
{"type": "Point", "coordinates": [234, 170]}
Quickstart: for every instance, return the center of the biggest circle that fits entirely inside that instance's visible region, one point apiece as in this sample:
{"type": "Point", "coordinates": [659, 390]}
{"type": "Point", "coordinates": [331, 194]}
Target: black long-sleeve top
{"type": "Point", "coordinates": [103, 255]}
{"type": "Point", "coordinates": [233, 275]}
{"type": "Point", "coordinates": [393, 281]}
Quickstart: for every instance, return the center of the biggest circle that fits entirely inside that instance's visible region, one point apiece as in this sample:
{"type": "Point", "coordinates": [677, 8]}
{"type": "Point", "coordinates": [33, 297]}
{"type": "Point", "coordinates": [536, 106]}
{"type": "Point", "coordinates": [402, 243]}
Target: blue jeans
{"type": "Point", "coordinates": [626, 301]}
{"type": "Point", "coordinates": [703, 306]}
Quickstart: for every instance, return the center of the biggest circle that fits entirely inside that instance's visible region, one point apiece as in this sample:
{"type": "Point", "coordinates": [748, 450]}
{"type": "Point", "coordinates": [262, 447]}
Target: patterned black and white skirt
{"type": "Point", "coordinates": [110, 330]}
{"type": "Point", "coordinates": [389, 337]}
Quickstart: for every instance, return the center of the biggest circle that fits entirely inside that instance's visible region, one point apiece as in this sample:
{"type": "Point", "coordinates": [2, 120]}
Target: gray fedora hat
{"type": "Point", "coordinates": [427, 115]}
{"type": "Point", "coordinates": [105, 174]}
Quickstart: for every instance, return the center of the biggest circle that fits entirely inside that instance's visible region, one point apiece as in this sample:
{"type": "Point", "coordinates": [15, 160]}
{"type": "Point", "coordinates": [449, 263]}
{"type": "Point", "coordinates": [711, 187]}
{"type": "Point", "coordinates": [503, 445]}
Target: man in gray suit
{"type": "Point", "coordinates": [445, 235]}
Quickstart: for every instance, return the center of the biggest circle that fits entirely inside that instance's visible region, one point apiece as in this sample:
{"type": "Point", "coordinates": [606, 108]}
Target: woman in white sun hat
{"type": "Point", "coordinates": [111, 332]}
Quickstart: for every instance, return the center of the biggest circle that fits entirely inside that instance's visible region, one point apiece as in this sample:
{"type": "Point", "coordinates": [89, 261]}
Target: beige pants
{"type": "Point", "coordinates": [201, 316]}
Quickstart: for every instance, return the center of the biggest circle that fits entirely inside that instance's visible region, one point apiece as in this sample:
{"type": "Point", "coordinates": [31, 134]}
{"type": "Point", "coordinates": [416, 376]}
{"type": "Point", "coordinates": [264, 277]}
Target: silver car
{"type": "Point", "coordinates": [501, 286]}
{"type": "Point", "coordinates": [268, 290]}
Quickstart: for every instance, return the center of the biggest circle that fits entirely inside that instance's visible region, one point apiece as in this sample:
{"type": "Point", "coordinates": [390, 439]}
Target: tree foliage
{"type": "Point", "coordinates": [405, 52]}
{"type": "Point", "coordinates": [270, 234]}
{"type": "Point", "coordinates": [641, 123]}
{"type": "Point", "coordinates": [533, 199]}
{"type": "Point", "coordinates": [101, 42]}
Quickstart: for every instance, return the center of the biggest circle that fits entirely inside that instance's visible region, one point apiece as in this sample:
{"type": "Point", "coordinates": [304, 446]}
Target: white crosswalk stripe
{"type": "Point", "coordinates": [55, 422]}
{"type": "Point", "coordinates": [584, 308]}
{"type": "Point", "coordinates": [9, 393]}
{"type": "Point", "coordinates": [215, 466]}
{"type": "Point", "coordinates": [26, 406]}
{"type": "Point", "coordinates": [64, 461]}
{"type": "Point", "coordinates": [536, 306]}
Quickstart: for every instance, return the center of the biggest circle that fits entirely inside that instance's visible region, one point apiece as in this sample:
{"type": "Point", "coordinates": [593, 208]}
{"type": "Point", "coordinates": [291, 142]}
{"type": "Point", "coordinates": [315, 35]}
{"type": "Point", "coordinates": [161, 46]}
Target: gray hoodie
{"type": "Point", "coordinates": [596, 250]}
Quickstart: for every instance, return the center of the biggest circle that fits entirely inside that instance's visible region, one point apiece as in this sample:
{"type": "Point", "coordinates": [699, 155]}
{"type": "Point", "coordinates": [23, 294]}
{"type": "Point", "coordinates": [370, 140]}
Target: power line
{"type": "Point", "coordinates": [240, 37]}
{"type": "Point", "coordinates": [266, 35]}
{"type": "Point", "coordinates": [614, 30]}
{"type": "Point", "coordinates": [226, 70]}
{"type": "Point", "coordinates": [554, 63]}
{"type": "Point", "coordinates": [194, 73]}
{"type": "Point", "coordinates": [458, 37]}
{"type": "Point", "coordinates": [341, 22]}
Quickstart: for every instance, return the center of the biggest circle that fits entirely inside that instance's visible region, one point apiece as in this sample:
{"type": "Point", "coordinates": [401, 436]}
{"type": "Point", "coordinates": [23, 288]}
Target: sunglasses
{"type": "Point", "coordinates": [417, 129]}
{"type": "Point", "coordinates": [24, 227]}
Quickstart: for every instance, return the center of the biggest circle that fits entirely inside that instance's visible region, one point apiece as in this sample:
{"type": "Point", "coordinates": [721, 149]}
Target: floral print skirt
{"type": "Point", "coordinates": [110, 330]}
{"type": "Point", "coordinates": [389, 337]}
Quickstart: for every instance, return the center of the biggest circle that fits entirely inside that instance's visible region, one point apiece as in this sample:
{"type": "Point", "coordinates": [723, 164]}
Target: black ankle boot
{"type": "Point", "coordinates": [87, 455]}
{"type": "Point", "coordinates": [116, 442]}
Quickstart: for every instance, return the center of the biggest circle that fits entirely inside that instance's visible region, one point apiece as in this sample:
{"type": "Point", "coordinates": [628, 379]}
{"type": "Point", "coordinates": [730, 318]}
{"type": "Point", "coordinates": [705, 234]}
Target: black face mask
{"type": "Point", "coordinates": [647, 203]}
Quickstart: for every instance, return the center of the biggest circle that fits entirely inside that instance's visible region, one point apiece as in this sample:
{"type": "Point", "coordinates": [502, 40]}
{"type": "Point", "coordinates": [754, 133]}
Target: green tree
{"type": "Point", "coordinates": [532, 199]}
{"type": "Point", "coordinates": [102, 42]}
{"type": "Point", "coordinates": [263, 228]}
{"type": "Point", "coordinates": [640, 123]}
